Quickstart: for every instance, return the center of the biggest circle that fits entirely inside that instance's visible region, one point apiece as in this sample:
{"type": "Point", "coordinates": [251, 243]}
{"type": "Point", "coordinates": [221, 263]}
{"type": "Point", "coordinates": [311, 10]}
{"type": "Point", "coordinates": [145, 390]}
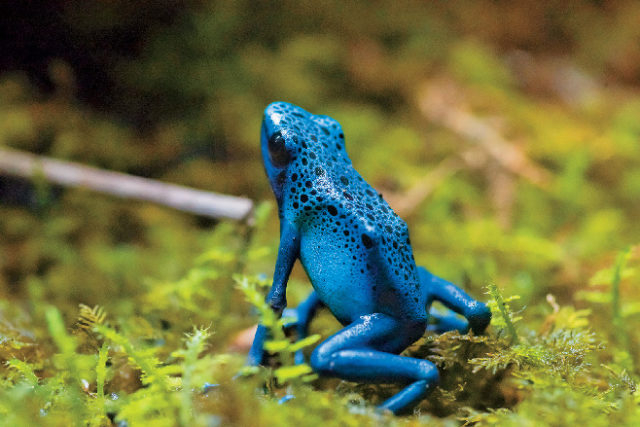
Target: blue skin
{"type": "Point", "coordinates": [357, 254]}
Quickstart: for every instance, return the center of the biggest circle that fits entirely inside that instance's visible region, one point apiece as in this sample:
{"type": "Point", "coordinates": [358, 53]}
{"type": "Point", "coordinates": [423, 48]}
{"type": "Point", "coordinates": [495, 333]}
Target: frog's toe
{"type": "Point", "coordinates": [479, 317]}
{"type": "Point", "coordinates": [298, 358]}
{"type": "Point", "coordinates": [405, 400]}
{"type": "Point", "coordinates": [291, 317]}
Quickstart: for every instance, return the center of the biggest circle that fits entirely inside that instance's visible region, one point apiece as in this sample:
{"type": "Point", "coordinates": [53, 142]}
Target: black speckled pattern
{"type": "Point", "coordinates": [355, 249]}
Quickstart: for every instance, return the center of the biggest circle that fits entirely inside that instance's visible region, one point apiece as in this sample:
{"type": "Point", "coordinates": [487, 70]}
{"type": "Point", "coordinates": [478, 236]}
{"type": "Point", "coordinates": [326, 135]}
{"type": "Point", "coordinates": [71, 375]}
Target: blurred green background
{"type": "Point", "coordinates": [506, 133]}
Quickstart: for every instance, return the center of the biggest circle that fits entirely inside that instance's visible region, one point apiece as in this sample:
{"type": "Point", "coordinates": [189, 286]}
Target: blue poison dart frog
{"type": "Point", "coordinates": [357, 254]}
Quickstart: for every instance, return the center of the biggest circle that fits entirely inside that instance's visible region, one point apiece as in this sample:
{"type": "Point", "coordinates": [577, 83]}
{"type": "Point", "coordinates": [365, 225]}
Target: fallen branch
{"type": "Point", "coordinates": [441, 103]}
{"type": "Point", "coordinates": [118, 184]}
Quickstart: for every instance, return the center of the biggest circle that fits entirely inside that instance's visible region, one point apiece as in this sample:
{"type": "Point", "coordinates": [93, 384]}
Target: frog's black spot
{"type": "Point", "coordinates": [319, 198]}
{"type": "Point", "coordinates": [369, 206]}
{"type": "Point", "coordinates": [325, 145]}
{"type": "Point", "coordinates": [308, 184]}
{"type": "Point", "coordinates": [304, 161]}
{"type": "Point", "coordinates": [281, 178]}
{"type": "Point", "coordinates": [343, 216]}
{"type": "Point", "coordinates": [293, 189]}
{"type": "Point", "coordinates": [369, 192]}
{"type": "Point", "coordinates": [313, 192]}
{"type": "Point", "coordinates": [338, 147]}
{"type": "Point", "coordinates": [388, 229]}
{"type": "Point", "coordinates": [371, 217]}
{"type": "Point", "coordinates": [312, 155]}
{"type": "Point", "coordinates": [347, 195]}
{"type": "Point", "coordinates": [304, 198]}
{"type": "Point", "coordinates": [366, 241]}
{"type": "Point", "coordinates": [395, 245]}
{"type": "Point", "coordinates": [408, 241]}
{"type": "Point", "coordinates": [295, 138]}
{"type": "Point", "coordinates": [344, 180]}
{"type": "Point", "coordinates": [341, 136]}
{"type": "Point", "coordinates": [295, 205]}
{"type": "Point", "coordinates": [297, 115]}
{"type": "Point", "coordinates": [415, 299]}
{"type": "Point", "coordinates": [325, 130]}
{"type": "Point", "coordinates": [346, 232]}
{"type": "Point", "coordinates": [307, 208]}
{"type": "Point", "coordinates": [294, 177]}
{"type": "Point", "coordinates": [304, 144]}
{"type": "Point", "coordinates": [332, 210]}
{"type": "Point", "coordinates": [314, 138]}
{"type": "Point", "coordinates": [319, 171]}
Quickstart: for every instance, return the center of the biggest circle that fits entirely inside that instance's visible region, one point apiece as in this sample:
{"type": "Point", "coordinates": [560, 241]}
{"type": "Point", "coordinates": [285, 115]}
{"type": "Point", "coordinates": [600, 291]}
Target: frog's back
{"type": "Point", "coordinates": [354, 248]}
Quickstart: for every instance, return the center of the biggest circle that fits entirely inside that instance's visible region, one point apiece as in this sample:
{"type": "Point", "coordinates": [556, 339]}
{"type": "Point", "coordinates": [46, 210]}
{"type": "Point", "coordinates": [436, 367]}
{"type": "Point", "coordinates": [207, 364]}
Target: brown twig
{"type": "Point", "coordinates": [118, 184]}
{"type": "Point", "coordinates": [441, 103]}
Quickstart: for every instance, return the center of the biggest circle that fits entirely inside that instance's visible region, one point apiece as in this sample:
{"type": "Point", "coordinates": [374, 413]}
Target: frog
{"type": "Point", "coordinates": [357, 254]}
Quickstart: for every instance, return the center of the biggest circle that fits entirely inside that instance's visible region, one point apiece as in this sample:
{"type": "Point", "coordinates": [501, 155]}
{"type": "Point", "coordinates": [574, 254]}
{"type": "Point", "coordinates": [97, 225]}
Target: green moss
{"type": "Point", "coordinates": [116, 310]}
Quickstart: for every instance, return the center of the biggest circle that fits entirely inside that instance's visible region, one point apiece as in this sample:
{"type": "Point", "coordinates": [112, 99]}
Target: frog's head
{"type": "Point", "coordinates": [289, 132]}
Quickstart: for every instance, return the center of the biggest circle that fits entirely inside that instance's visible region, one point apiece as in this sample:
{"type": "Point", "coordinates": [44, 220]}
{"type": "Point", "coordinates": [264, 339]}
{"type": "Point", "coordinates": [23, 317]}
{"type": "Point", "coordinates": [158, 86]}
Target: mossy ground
{"type": "Point", "coordinates": [506, 134]}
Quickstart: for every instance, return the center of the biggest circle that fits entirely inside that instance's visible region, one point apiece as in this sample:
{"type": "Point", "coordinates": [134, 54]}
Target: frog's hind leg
{"type": "Point", "coordinates": [367, 351]}
{"type": "Point", "coordinates": [477, 313]}
{"type": "Point", "coordinates": [444, 322]}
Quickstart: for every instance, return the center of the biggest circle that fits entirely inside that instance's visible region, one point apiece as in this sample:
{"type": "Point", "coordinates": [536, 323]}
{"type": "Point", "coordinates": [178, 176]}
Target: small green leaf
{"type": "Point", "coordinates": [25, 369]}
{"type": "Point", "coordinates": [287, 373]}
{"type": "Point", "coordinates": [101, 369]}
{"type": "Point", "coordinates": [305, 342]}
{"type": "Point", "coordinates": [274, 346]}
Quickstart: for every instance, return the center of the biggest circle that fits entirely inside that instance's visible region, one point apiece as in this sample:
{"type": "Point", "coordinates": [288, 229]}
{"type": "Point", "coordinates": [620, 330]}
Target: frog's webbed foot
{"type": "Point", "coordinates": [300, 316]}
{"type": "Point", "coordinates": [367, 351]}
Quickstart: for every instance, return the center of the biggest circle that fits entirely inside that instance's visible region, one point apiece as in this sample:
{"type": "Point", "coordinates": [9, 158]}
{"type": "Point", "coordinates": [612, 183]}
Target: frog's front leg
{"type": "Point", "coordinates": [477, 313]}
{"type": "Point", "coordinates": [288, 253]}
{"type": "Point", "coordinates": [367, 351]}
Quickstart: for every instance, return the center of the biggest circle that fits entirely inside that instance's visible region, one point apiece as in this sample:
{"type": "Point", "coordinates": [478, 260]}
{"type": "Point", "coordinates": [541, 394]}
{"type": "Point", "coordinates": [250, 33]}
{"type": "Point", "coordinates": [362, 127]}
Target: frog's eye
{"type": "Point", "coordinates": [278, 150]}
